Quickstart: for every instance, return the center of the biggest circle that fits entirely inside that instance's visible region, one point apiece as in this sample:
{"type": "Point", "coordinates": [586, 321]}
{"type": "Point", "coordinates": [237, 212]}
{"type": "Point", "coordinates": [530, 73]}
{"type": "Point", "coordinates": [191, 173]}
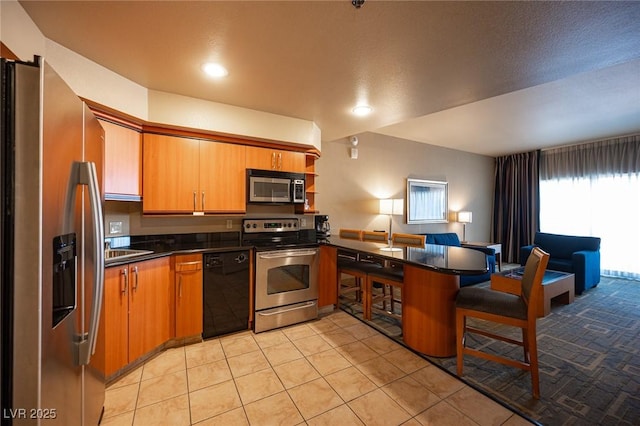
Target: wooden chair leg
{"type": "Point", "coordinates": [358, 282]}
{"type": "Point", "coordinates": [460, 328]}
{"type": "Point", "coordinates": [525, 345]}
{"type": "Point", "coordinates": [367, 297]}
{"type": "Point", "coordinates": [533, 363]}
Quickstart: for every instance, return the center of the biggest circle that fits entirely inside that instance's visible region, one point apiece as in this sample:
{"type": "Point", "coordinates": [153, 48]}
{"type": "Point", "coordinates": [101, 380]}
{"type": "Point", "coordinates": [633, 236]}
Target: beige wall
{"type": "Point", "coordinates": [348, 189]}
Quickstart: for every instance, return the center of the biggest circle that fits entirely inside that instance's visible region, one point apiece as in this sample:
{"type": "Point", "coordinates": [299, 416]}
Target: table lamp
{"type": "Point", "coordinates": [390, 207]}
{"type": "Point", "coordinates": [464, 217]}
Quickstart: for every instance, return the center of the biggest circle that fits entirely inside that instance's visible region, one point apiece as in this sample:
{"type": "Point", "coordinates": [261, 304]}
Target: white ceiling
{"type": "Point", "coordinates": [486, 77]}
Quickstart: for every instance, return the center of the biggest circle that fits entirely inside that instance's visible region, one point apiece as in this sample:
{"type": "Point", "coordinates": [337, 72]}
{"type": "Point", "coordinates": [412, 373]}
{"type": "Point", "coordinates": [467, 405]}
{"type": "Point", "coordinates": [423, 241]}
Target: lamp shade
{"type": "Point", "coordinates": [392, 206]}
{"type": "Point", "coordinates": [464, 217]}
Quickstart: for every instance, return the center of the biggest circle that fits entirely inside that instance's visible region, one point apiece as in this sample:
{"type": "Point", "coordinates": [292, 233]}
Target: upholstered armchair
{"type": "Point", "coordinates": [577, 255]}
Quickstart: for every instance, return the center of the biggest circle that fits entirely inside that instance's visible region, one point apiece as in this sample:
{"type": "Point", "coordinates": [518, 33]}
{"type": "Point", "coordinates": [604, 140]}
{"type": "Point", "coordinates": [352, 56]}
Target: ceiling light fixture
{"type": "Point", "coordinates": [362, 110]}
{"type": "Point", "coordinates": [215, 70]}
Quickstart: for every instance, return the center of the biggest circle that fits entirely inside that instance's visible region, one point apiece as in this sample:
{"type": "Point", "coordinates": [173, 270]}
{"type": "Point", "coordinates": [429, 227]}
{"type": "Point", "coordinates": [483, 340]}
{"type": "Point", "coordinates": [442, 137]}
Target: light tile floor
{"type": "Point", "coordinates": [332, 371]}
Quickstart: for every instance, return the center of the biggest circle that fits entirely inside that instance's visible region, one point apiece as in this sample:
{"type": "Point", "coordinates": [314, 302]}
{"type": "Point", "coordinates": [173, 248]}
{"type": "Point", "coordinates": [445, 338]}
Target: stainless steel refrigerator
{"type": "Point", "coordinates": [52, 251]}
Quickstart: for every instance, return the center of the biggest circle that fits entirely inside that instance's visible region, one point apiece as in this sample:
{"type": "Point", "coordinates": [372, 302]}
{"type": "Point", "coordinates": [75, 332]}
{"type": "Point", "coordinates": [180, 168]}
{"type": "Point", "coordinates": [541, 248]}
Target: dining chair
{"type": "Point", "coordinates": [507, 309]}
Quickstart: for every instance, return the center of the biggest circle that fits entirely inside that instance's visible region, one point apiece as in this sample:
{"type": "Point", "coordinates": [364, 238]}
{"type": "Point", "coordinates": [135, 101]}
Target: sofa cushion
{"type": "Point", "coordinates": [446, 239]}
{"type": "Point", "coordinates": [560, 265]}
{"type": "Point", "coordinates": [563, 246]}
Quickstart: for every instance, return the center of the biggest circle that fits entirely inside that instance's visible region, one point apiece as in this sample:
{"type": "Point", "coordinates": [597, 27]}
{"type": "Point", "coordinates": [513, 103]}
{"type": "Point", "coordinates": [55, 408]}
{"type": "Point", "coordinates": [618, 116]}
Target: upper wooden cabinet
{"type": "Point", "coordinates": [223, 184]}
{"type": "Point", "coordinates": [273, 159]}
{"type": "Point", "coordinates": [122, 162]}
{"type": "Point", "coordinates": [170, 178]}
{"type": "Point", "coordinates": [182, 175]}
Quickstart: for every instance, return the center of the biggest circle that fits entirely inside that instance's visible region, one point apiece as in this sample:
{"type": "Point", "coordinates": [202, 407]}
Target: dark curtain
{"type": "Point", "coordinates": [516, 203]}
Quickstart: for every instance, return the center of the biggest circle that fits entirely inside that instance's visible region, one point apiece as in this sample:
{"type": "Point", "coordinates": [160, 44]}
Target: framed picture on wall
{"type": "Point", "coordinates": [427, 201]}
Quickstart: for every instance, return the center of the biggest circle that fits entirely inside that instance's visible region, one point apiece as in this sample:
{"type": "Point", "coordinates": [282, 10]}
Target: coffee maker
{"type": "Point", "coordinates": [323, 229]}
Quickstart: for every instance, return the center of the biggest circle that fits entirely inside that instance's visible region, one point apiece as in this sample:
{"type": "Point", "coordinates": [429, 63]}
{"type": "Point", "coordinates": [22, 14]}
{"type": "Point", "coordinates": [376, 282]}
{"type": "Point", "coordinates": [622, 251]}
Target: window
{"type": "Point", "coordinates": [603, 206]}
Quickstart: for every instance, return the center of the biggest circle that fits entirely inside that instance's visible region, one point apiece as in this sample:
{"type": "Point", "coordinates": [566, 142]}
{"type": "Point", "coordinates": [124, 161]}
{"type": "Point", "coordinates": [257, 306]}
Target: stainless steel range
{"type": "Point", "coordinates": [286, 272]}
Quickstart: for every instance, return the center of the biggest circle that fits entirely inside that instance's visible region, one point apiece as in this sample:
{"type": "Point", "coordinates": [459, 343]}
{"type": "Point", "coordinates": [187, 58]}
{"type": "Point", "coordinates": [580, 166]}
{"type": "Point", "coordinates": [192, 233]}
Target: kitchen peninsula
{"type": "Point", "coordinates": [431, 282]}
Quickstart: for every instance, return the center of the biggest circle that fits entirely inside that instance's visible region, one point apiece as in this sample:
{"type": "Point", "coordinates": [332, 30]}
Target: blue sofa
{"type": "Point", "coordinates": [577, 255]}
{"type": "Point", "coordinates": [451, 239]}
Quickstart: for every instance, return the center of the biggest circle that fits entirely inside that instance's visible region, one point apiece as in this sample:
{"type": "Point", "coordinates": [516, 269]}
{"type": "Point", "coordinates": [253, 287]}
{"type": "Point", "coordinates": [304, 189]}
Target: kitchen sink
{"type": "Point", "coordinates": [117, 254]}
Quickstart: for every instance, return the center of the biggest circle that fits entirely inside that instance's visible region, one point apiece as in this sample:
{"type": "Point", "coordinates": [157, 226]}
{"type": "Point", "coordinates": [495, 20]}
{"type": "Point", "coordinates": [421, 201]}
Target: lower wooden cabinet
{"type": "Point", "coordinates": [137, 311]}
{"type": "Point", "coordinates": [328, 276]}
{"type": "Point", "coordinates": [188, 294]}
{"type": "Point", "coordinates": [115, 318]}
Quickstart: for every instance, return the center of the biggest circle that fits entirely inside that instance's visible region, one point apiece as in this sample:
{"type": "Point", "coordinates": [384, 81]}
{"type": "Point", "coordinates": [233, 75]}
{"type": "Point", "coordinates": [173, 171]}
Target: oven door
{"type": "Point", "coordinates": [269, 190]}
{"type": "Point", "coordinates": [284, 277]}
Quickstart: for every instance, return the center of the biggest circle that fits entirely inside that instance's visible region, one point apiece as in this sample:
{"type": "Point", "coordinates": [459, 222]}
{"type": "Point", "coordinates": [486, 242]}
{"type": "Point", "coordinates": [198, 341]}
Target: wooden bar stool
{"type": "Point", "coordinates": [350, 264]}
{"type": "Point", "coordinates": [409, 239]}
{"type": "Point", "coordinates": [385, 280]}
{"type": "Point", "coordinates": [351, 234]}
{"type": "Point", "coordinates": [380, 236]}
{"type": "Point", "coordinates": [389, 280]}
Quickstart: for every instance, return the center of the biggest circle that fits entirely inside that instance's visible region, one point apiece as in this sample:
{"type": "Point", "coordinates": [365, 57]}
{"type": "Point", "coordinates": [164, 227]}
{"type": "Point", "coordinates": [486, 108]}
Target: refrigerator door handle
{"type": "Point", "coordinates": [84, 173]}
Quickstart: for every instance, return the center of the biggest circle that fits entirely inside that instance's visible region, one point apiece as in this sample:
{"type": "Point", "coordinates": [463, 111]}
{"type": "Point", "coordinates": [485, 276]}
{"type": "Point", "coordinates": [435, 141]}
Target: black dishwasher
{"type": "Point", "coordinates": [225, 293]}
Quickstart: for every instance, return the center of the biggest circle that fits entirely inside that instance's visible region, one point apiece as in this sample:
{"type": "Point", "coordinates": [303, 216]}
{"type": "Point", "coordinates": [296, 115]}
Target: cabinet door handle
{"type": "Point", "coordinates": [195, 262]}
{"type": "Point", "coordinates": [279, 161]}
{"type": "Point", "coordinates": [202, 200]}
{"type": "Point", "coordinates": [194, 200]}
{"type": "Point", "coordinates": [126, 280]}
{"type": "Point", "coordinates": [135, 271]}
{"type": "Point", "coordinates": [193, 266]}
{"type": "Point", "coordinates": [180, 286]}
{"type": "Point", "coordinates": [273, 160]}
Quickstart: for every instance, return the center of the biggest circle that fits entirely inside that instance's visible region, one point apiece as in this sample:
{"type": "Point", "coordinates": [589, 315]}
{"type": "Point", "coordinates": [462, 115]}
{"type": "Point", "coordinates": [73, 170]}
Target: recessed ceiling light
{"type": "Point", "coordinates": [215, 70]}
{"type": "Point", "coordinates": [362, 110]}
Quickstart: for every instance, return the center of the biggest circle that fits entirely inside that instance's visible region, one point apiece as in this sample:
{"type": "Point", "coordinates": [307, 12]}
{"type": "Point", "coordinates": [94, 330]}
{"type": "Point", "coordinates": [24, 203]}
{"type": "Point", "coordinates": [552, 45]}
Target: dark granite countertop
{"type": "Point", "coordinates": [444, 259]}
{"type": "Point", "coordinates": [170, 244]}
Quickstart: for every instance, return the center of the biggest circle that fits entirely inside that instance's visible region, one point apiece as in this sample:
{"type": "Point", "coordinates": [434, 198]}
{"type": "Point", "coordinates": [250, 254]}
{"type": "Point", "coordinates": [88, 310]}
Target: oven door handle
{"type": "Point", "coordinates": [282, 311]}
{"type": "Point", "coordinates": [293, 253]}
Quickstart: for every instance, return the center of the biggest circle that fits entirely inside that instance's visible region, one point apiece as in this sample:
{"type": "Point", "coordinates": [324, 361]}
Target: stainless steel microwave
{"type": "Point", "coordinates": [266, 186]}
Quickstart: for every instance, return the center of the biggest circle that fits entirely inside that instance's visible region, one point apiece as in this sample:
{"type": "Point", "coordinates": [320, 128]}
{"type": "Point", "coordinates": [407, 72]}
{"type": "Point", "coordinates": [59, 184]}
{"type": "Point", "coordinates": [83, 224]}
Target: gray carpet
{"type": "Point", "coordinates": [589, 354]}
